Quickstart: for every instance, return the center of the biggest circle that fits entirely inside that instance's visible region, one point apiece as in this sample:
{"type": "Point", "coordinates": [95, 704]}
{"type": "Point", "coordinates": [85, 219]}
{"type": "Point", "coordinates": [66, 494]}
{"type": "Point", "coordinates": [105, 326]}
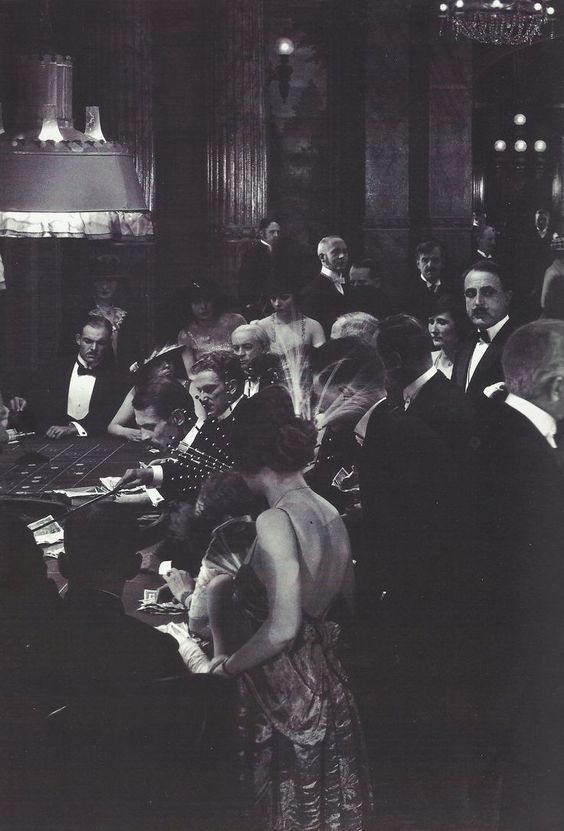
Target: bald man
{"type": "Point", "coordinates": [324, 298]}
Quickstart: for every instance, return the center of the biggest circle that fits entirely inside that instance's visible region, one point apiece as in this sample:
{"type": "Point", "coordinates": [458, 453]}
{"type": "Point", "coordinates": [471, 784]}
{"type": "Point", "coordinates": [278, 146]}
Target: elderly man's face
{"type": "Point", "coordinates": [486, 301]}
{"type": "Point", "coordinates": [246, 348]}
{"type": "Point", "coordinates": [336, 255]}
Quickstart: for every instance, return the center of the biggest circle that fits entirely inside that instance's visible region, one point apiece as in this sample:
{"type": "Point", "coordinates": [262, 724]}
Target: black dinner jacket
{"type": "Point", "coordinates": [183, 474]}
{"type": "Point", "coordinates": [323, 302]}
{"type": "Point", "coordinates": [409, 487]}
{"type": "Point", "coordinates": [254, 278]}
{"type": "Point", "coordinates": [522, 511]}
{"type": "Point", "coordinates": [444, 407]}
{"type": "Point", "coordinates": [419, 300]}
{"type": "Point", "coordinates": [489, 370]}
{"type": "Point", "coordinates": [107, 395]}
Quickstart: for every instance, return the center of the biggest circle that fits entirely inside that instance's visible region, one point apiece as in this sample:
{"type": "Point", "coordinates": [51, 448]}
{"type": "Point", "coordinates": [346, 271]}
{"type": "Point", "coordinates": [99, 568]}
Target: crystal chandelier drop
{"type": "Point", "coordinates": [496, 22]}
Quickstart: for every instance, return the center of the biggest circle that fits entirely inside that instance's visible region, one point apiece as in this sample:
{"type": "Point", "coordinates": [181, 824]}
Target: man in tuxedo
{"type": "Point", "coordinates": [262, 368]}
{"type": "Point", "coordinates": [324, 298]}
{"type": "Point", "coordinates": [81, 395]}
{"type": "Point", "coordinates": [256, 269]}
{"type": "Point", "coordinates": [430, 282]}
{"type": "Point", "coordinates": [488, 292]}
{"type": "Point", "coordinates": [522, 526]}
{"type": "Point", "coordinates": [218, 381]}
{"type": "Point", "coordinates": [485, 243]}
{"type": "Point", "coordinates": [405, 346]}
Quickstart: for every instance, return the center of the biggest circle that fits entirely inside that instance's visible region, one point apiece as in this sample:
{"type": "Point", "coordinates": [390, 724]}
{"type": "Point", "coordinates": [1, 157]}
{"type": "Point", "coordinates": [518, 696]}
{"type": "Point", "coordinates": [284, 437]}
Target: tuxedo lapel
{"type": "Point", "coordinates": [461, 364]}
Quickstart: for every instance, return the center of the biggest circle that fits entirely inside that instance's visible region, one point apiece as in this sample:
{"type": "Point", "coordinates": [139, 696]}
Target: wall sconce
{"type": "Point", "coordinates": [283, 72]}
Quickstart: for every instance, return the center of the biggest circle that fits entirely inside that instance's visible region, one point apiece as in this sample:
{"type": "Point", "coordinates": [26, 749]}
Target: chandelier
{"type": "Point", "coordinates": [496, 22]}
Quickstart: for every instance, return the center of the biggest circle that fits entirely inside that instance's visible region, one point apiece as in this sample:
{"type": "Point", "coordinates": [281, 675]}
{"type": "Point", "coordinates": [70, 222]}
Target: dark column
{"type": "Point", "coordinates": [236, 133]}
{"type": "Point", "coordinates": [387, 137]}
{"type": "Point", "coordinates": [450, 148]}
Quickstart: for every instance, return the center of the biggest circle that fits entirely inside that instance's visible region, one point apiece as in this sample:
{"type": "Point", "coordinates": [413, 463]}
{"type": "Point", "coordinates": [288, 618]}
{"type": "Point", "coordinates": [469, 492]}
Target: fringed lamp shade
{"type": "Point", "coordinates": [56, 181]}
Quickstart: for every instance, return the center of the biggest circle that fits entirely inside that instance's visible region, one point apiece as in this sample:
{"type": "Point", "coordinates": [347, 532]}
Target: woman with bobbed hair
{"type": "Point", "coordinates": [298, 720]}
{"type": "Point", "coordinates": [209, 326]}
{"type": "Point", "coordinates": [448, 325]}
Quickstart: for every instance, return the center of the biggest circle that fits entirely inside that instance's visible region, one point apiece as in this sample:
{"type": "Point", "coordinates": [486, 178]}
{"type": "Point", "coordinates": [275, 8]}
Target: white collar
{"type": "Point", "coordinates": [334, 276]}
{"type": "Point", "coordinates": [429, 285]}
{"type": "Point", "coordinates": [264, 242]}
{"type": "Point", "coordinates": [410, 392]}
{"type": "Point", "coordinates": [360, 429]}
{"type": "Point", "coordinates": [539, 418]}
{"type": "Point", "coordinates": [483, 254]}
{"type": "Point", "coordinates": [493, 330]}
{"type": "Point", "coordinates": [81, 361]}
{"type": "Point", "coordinates": [226, 413]}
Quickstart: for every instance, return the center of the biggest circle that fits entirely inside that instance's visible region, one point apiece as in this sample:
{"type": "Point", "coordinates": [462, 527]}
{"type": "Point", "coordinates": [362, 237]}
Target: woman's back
{"type": "Point", "coordinates": [323, 548]}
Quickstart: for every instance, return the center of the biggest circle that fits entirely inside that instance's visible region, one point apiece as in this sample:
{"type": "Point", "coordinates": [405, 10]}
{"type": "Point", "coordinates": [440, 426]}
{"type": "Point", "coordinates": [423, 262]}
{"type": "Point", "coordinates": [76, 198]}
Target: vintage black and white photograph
{"type": "Point", "coordinates": [281, 415]}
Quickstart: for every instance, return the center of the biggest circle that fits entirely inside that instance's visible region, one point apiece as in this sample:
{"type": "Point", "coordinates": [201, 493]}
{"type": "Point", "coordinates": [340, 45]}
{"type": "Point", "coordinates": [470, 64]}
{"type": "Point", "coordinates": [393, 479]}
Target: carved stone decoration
{"type": "Point", "coordinates": [236, 131]}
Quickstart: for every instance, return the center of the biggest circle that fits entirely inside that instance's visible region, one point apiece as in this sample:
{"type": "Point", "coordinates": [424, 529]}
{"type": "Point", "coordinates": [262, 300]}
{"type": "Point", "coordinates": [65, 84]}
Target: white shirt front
{"type": "Point", "coordinates": [251, 388]}
{"type": "Point", "coordinates": [81, 388]}
{"type": "Point", "coordinates": [336, 278]}
{"type": "Point", "coordinates": [432, 287]}
{"type": "Point", "coordinates": [410, 392]}
{"type": "Point", "coordinates": [538, 417]}
{"type": "Point", "coordinates": [481, 348]}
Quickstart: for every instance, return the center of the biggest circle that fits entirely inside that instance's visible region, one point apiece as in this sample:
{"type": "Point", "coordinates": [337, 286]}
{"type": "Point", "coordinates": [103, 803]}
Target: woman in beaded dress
{"type": "Point", "coordinates": [302, 747]}
{"type": "Point", "coordinates": [292, 336]}
{"type": "Point", "coordinates": [209, 326]}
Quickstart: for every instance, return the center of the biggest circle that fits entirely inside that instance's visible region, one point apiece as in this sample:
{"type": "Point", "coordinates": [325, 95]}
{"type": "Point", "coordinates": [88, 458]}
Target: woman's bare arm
{"type": "Point", "coordinates": [121, 423]}
{"type": "Point", "coordinates": [277, 561]}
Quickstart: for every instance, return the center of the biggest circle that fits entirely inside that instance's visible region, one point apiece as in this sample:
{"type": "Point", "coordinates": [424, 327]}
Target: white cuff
{"type": "Point", "coordinates": [158, 475]}
{"type": "Point", "coordinates": [79, 428]}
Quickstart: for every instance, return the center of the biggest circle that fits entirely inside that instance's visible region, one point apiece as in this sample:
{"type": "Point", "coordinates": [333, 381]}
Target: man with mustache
{"type": "Point", "coordinates": [488, 293]}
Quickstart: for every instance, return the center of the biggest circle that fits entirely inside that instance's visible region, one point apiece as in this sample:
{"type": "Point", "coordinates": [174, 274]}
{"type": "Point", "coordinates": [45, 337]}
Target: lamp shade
{"type": "Point", "coordinates": [49, 167]}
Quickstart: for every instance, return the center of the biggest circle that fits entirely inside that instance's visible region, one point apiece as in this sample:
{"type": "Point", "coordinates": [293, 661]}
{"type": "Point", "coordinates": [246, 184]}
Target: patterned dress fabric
{"type": "Point", "coordinates": [302, 750]}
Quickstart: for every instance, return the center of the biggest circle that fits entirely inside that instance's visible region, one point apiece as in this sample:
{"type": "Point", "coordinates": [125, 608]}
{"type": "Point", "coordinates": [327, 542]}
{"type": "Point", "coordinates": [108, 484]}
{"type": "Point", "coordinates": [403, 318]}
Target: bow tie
{"type": "Point", "coordinates": [482, 336]}
{"type": "Point", "coordinates": [84, 370]}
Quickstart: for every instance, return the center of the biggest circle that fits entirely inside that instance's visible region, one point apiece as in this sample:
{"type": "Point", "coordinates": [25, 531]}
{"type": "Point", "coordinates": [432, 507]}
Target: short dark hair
{"type": "Point", "coordinates": [164, 397]}
{"type": "Point", "coordinates": [454, 305]}
{"type": "Point", "coordinates": [490, 266]}
{"type": "Point", "coordinates": [426, 246]}
{"type": "Point", "coordinates": [348, 361]}
{"type": "Point", "coordinates": [267, 433]}
{"type": "Point", "coordinates": [103, 535]}
{"type": "Point", "coordinates": [371, 265]}
{"type": "Point", "coordinates": [225, 364]}
{"type": "Point", "coordinates": [264, 223]}
{"type": "Point", "coordinates": [96, 322]}
{"type": "Point", "coordinates": [402, 339]}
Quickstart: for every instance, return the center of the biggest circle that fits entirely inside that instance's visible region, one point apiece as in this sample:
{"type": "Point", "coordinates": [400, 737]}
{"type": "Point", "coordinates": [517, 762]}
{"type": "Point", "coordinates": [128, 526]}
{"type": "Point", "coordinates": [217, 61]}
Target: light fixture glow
{"type": "Point", "coordinates": [550, 10]}
{"type": "Point", "coordinates": [443, 7]}
{"type": "Point", "coordinates": [520, 146]}
{"type": "Point", "coordinates": [284, 46]}
{"type": "Point", "coordinates": [540, 145]}
{"type": "Point", "coordinates": [500, 146]}
{"type": "Point", "coordinates": [520, 119]}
